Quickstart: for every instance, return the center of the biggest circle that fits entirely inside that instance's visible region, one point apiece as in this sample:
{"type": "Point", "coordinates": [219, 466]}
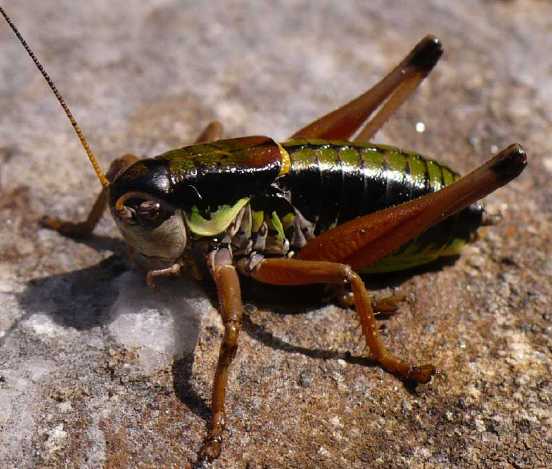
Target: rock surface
{"type": "Point", "coordinates": [93, 376]}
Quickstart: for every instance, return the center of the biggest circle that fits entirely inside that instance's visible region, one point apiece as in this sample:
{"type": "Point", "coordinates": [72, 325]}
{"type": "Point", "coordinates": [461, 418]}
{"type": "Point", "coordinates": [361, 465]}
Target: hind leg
{"type": "Point", "coordinates": [386, 95]}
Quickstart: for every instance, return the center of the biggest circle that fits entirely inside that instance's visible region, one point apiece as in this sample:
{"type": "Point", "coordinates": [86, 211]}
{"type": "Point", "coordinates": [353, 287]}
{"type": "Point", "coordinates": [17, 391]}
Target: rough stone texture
{"type": "Point", "coordinates": [82, 384]}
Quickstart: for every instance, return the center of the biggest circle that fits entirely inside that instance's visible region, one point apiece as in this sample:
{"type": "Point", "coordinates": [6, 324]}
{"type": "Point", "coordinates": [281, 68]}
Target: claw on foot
{"type": "Point", "coordinates": [421, 374]}
{"type": "Point", "coordinates": [211, 449]}
{"type": "Point", "coordinates": [150, 282]}
{"type": "Point", "coordinates": [388, 305]}
{"type": "Point", "coordinates": [50, 222]}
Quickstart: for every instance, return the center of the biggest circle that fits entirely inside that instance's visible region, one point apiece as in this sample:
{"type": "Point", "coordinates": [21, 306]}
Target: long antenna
{"type": "Point", "coordinates": [78, 131]}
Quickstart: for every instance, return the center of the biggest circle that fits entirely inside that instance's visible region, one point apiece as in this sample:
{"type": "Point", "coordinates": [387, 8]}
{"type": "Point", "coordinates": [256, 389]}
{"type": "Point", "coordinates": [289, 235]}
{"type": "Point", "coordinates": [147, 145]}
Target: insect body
{"type": "Point", "coordinates": [334, 182]}
{"type": "Point", "coordinates": [316, 209]}
{"type": "Point", "coordinates": [275, 211]}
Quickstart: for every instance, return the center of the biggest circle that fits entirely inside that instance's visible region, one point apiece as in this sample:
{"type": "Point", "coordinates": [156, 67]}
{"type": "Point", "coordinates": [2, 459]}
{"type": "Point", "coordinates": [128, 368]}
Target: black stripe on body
{"type": "Point", "coordinates": [352, 166]}
{"type": "Point", "coordinates": [332, 182]}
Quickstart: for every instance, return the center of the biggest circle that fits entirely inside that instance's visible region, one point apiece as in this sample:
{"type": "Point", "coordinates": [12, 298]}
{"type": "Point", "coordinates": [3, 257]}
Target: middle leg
{"type": "Point", "coordinates": [212, 132]}
{"type": "Point", "coordinates": [298, 272]}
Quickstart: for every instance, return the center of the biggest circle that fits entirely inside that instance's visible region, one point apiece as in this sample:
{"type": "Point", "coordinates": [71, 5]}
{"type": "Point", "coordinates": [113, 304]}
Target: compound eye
{"type": "Point", "coordinates": [147, 212]}
{"type": "Point", "coordinates": [151, 213]}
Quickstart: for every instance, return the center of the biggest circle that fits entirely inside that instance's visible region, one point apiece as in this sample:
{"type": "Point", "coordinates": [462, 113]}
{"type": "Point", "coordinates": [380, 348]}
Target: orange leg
{"type": "Point", "coordinates": [365, 240]}
{"type": "Point", "coordinates": [297, 272]}
{"type": "Point", "coordinates": [231, 310]}
{"type": "Point", "coordinates": [85, 228]}
{"type": "Point", "coordinates": [392, 90]}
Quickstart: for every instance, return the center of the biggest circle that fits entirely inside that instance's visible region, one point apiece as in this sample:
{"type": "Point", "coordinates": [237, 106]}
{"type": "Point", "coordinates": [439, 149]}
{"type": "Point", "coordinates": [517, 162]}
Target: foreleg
{"type": "Point", "coordinates": [231, 309]}
{"type": "Point", "coordinates": [84, 228]}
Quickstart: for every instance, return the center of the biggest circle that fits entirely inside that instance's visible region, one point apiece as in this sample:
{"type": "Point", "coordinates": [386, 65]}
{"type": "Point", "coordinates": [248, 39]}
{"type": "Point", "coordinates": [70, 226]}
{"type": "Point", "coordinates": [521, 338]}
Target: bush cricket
{"type": "Point", "coordinates": [320, 208]}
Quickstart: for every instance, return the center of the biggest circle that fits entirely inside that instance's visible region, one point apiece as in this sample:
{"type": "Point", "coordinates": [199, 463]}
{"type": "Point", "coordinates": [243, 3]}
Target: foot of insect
{"type": "Point", "coordinates": [298, 272]}
{"type": "Point", "coordinates": [171, 271]}
{"type": "Point", "coordinates": [386, 359]}
{"type": "Point", "coordinates": [386, 306]}
{"type": "Point", "coordinates": [212, 444]}
{"type": "Point", "coordinates": [383, 306]}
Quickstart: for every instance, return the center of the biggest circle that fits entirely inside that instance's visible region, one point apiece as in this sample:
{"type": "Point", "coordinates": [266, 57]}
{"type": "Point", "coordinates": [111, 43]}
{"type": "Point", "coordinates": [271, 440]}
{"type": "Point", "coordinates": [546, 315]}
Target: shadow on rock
{"type": "Point", "coordinates": [182, 369]}
{"type": "Point", "coordinates": [259, 333]}
{"type": "Point", "coordinates": [161, 325]}
{"type": "Point", "coordinates": [104, 243]}
{"type": "Point", "coordinates": [80, 299]}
